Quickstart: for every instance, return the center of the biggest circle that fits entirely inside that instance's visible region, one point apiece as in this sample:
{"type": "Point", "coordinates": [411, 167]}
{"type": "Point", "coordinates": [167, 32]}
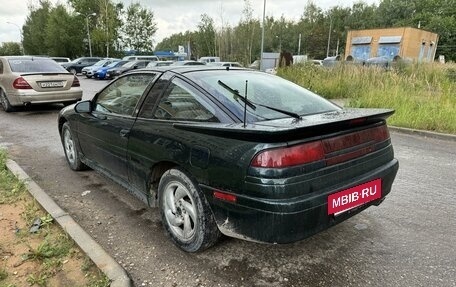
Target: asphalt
{"type": "Point", "coordinates": [113, 270]}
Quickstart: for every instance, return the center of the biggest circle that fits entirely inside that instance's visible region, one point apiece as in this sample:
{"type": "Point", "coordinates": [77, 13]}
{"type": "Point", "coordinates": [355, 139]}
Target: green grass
{"type": "Point", "coordinates": [423, 95]}
{"type": "Point", "coordinates": [12, 188]}
{"type": "Point", "coordinates": [54, 246]}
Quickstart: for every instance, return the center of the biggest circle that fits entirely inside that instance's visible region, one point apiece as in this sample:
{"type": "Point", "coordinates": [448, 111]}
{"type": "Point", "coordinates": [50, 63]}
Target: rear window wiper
{"type": "Point", "coordinates": [253, 105]}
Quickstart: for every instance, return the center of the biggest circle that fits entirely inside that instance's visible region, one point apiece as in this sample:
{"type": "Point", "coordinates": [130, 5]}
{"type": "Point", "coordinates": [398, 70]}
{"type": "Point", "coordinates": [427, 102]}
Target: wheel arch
{"type": "Point", "coordinates": [62, 120]}
{"type": "Point", "coordinates": [155, 174]}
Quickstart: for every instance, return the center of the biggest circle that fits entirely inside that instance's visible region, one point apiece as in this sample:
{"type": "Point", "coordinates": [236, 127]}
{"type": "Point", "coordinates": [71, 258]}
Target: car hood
{"type": "Point", "coordinates": [291, 128]}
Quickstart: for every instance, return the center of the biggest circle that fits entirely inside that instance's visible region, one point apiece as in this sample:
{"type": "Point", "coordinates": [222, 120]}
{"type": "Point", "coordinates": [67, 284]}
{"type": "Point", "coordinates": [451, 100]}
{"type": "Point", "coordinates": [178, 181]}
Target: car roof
{"type": "Point", "coordinates": [25, 58]}
{"type": "Point", "coordinates": [189, 69]}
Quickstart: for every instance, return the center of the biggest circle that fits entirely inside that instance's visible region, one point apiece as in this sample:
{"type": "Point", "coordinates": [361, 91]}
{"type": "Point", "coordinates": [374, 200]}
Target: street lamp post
{"type": "Point", "coordinates": [20, 35]}
{"type": "Point", "coordinates": [329, 36]}
{"type": "Point", "coordinates": [88, 31]}
{"type": "Point", "coordinates": [262, 37]}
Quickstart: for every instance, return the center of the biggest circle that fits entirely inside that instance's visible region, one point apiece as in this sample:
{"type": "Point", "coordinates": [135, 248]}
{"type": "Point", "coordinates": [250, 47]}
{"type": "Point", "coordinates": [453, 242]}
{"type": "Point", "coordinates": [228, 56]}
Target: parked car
{"type": "Point", "coordinates": [61, 60]}
{"type": "Point", "coordinates": [141, 57]}
{"type": "Point", "coordinates": [235, 152]}
{"type": "Point", "coordinates": [188, 63]}
{"type": "Point", "coordinates": [90, 70]}
{"type": "Point", "coordinates": [159, 64]}
{"type": "Point", "coordinates": [26, 80]}
{"type": "Point", "coordinates": [209, 59]}
{"type": "Point", "coordinates": [101, 72]}
{"type": "Point", "coordinates": [131, 65]}
{"type": "Point", "coordinates": [225, 64]}
{"type": "Point", "coordinates": [75, 66]}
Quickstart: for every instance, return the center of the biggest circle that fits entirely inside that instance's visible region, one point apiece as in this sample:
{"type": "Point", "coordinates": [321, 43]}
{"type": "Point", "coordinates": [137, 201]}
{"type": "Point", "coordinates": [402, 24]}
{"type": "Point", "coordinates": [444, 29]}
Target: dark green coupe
{"type": "Point", "coordinates": [232, 151]}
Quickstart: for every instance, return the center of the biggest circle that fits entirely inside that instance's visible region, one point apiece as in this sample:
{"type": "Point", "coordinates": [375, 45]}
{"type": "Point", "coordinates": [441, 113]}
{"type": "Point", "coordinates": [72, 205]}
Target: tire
{"type": "Point", "coordinates": [73, 71]}
{"type": "Point", "coordinates": [7, 107]}
{"type": "Point", "coordinates": [71, 151]}
{"type": "Point", "coordinates": [88, 77]}
{"type": "Point", "coordinates": [186, 215]}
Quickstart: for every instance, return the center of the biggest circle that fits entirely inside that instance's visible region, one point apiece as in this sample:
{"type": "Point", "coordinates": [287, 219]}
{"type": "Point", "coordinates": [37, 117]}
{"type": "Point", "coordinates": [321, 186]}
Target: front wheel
{"type": "Point", "coordinates": [71, 151]}
{"type": "Point", "coordinates": [185, 212]}
{"type": "Point", "coordinates": [73, 71]}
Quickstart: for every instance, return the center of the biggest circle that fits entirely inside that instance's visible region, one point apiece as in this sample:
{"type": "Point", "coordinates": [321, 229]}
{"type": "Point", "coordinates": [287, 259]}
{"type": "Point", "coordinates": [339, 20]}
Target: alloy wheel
{"type": "Point", "coordinates": [180, 211]}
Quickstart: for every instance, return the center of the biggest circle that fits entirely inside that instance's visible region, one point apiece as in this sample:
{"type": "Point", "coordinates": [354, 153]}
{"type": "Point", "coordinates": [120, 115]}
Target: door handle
{"type": "Point", "coordinates": [124, 132]}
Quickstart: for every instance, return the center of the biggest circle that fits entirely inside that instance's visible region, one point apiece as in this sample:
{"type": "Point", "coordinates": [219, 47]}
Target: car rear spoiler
{"type": "Point", "coordinates": [289, 128]}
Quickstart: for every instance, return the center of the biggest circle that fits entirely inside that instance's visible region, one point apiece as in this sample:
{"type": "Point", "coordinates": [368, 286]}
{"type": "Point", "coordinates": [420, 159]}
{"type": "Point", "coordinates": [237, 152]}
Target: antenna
{"type": "Point", "coordinates": [245, 103]}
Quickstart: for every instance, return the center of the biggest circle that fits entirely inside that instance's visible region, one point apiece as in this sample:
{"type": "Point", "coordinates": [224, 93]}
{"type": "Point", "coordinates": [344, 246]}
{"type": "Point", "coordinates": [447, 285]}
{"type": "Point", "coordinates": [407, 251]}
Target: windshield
{"type": "Point", "coordinates": [263, 89]}
{"type": "Point", "coordinates": [130, 64]}
{"type": "Point", "coordinates": [113, 64]}
{"type": "Point", "coordinates": [100, 63]}
{"type": "Point", "coordinates": [35, 66]}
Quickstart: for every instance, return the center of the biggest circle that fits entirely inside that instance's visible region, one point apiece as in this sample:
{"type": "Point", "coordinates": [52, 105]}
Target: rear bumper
{"type": "Point", "coordinates": [292, 219]}
{"type": "Point", "coordinates": [32, 97]}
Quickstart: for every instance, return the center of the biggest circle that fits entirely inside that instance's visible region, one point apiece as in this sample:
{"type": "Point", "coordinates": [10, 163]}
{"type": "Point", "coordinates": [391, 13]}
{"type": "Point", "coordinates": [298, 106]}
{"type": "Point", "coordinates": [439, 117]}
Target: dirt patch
{"type": "Point", "coordinates": [45, 258]}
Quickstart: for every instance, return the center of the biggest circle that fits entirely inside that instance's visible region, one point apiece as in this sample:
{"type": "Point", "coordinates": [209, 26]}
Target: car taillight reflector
{"type": "Point", "coordinates": [21, 84]}
{"type": "Point", "coordinates": [225, 196]}
{"type": "Point", "coordinates": [332, 150]}
{"type": "Point", "coordinates": [372, 135]}
{"type": "Point", "coordinates": [76, 82]}
{"type": "Point", "coordinates": [290, 156]}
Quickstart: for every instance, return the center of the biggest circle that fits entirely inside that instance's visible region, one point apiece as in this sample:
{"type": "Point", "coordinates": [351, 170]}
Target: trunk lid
{"type": "Point", "coordinates": [288, 129]}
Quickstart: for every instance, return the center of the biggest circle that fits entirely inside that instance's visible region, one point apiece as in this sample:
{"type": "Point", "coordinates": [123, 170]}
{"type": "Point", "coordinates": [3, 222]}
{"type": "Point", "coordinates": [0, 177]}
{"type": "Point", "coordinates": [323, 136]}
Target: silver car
{"type": "Point", "coordinates": [28, 80]}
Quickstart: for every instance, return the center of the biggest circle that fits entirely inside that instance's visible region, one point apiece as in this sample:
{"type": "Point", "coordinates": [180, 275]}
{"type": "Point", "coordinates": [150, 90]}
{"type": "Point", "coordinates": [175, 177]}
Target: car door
{"type": "Point", "coordinates": [105, 131]}
{"type": "Point", "coordinates": [154, 139]}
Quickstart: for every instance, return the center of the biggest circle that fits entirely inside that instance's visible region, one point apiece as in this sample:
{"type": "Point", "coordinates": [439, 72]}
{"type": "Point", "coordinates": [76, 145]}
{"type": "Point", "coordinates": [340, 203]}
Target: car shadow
{"type": "Point", "coordinates": [40, 109]}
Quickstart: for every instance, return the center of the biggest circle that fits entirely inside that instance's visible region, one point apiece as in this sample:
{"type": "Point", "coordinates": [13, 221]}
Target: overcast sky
{"type": "Point", "coordinates": [173, 16]}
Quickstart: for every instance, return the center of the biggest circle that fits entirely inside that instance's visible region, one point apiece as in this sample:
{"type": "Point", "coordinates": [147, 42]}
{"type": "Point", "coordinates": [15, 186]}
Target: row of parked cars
{"type": "Point", "coordinates": [109, 68]}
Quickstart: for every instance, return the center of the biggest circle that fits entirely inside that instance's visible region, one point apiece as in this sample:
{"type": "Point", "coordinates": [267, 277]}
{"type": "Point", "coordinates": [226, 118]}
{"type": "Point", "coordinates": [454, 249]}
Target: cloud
{"type": "Point", "coordinates": [178, 15]}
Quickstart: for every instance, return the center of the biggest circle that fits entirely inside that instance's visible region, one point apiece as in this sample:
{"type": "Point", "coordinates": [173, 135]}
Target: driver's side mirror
{"type": "Point", "coordinates": [79, 63]}
{"type": "Point", "coordinates": [83, 107]}
{"type": "Point", "coordinates": [135, 67]}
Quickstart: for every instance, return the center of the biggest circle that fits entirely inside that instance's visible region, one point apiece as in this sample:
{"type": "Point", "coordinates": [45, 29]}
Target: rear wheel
{"type": "Point", "coordinates": [185, 212]}
{"type": "Point", "coordinates": [7, 107]}
{"type": "Point", "coordinates": [71, 151]}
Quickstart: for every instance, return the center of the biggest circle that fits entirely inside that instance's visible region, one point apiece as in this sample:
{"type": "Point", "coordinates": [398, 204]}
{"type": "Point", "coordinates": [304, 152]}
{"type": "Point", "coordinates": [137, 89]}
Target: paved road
{"type": "Point", "coordinates": [409, 240]}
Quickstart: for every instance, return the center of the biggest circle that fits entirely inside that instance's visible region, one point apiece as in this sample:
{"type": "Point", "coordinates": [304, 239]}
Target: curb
{"type": "Point", "coordinates": [422, 133]}
{"type": "Point", "coordinates": [107, 264]}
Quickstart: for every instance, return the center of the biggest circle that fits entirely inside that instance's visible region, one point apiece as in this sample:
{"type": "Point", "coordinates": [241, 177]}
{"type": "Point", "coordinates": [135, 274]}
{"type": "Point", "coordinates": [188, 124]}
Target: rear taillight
{"type": "Point", "coordinates": [76, 82]}
{"type": "Point", "coordinates": [333, 150]}
{"type": "Point", "coordinates": [290, 156]}
{"type": "Point", "coordinates": [21, 84]}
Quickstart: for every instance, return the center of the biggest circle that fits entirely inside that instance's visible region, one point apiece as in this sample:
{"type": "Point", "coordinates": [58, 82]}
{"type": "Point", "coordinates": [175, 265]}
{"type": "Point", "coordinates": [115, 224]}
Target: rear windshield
{"type": "Point", "coordinates": [262, 89]}
{"type": "Point", "coordinates": [35, 66]}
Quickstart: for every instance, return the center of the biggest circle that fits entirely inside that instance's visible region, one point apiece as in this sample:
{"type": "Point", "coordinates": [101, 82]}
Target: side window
{"type": "Point", "coordinates": [147, 111]}
{"type": "Point", "coordinates": [142, 64]}
{"type": "Point", "coordinates": [183, 102]}
{"type": "Point", "coordinates": [122, 96]}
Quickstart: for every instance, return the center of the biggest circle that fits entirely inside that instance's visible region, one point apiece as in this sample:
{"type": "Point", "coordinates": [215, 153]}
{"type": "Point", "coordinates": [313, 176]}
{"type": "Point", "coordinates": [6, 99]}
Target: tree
{"type": "Point", "coordinates": [34, 29]}
{"type": "Point", "coordinates": [106, 34]}
{"type": "Point", "coordinates": [139, 28]}
{"type": "Point", "coordinates": [205, 44]}
{"type": "Point", "coordinates": [10, 49]}
{"type": "Point", "coordinates": [63, 34]}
